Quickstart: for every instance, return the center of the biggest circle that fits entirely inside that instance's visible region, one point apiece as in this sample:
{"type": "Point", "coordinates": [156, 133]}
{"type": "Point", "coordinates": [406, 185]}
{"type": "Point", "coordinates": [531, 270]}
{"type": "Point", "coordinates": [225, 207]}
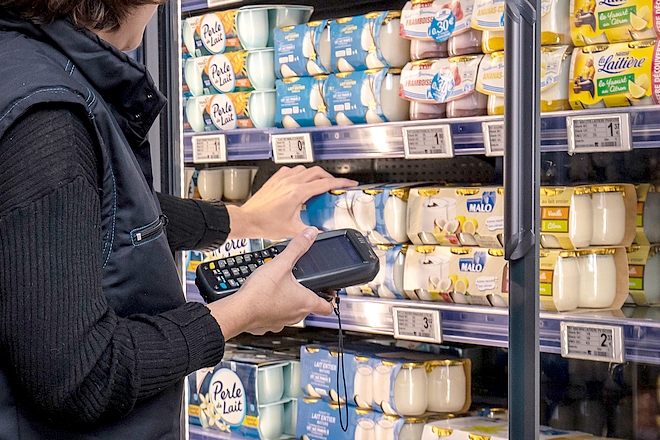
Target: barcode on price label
{"type": "Point", "coordinates": [292, 148]}
{"type": "Point", "coordinates": [427, 142]}
{"type": "Point", "coordinates": [592, 342]}
{"type": "Point", "coordinates": [417, 324]}
{"type": "Point", "coordinates": [493, 138]}
{"type": "Point", "coordinates": [209, 148]}
{"type": "Point", "coordinates": [593, 134]}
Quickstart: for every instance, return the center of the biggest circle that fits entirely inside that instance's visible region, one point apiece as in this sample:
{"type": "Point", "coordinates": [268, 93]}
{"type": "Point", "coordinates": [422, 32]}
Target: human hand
{"type": "Point", "coordinates": [273, 212]}
{"type": "Point", "coordinates": [271, 297]}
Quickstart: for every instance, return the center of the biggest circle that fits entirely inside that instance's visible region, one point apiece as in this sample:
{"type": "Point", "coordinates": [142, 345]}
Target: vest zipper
{"type": "Point", "coordinates": [151, 231]}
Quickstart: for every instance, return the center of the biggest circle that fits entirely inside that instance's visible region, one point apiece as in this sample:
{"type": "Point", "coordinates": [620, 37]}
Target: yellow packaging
{"type": "Point", "coordinates": [612, 21]}
{"type": "Point", "coordinates": [450, 216]}
{"type": "Point", "coordinates": [548, 265]}
{"type": "Point", "coordinates": [555, 66]}
{"type": "Point", "coordinates": [561, 228]}
{"type": "Point", "coordinates": [488, 16]}
{"type": "Point", "coordinates": [462, 275]}
{"type": "Point", "coordinates": [644, 274]}
{"type": "Point", "coordinates": [616, 75]}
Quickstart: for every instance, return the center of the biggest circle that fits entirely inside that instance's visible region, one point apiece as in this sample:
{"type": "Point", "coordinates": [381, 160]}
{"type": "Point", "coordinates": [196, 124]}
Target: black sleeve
{"type": "Point", "coordinates": [71, 357]}
{"type": "Point", "coordinates": [194, 224]}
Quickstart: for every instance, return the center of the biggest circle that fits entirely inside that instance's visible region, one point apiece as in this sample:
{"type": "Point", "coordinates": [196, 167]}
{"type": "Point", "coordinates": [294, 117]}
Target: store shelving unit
{"type": "Point", "coordinates": [386, 140]}
{"type": "Point", "coordinates": [489, 325]}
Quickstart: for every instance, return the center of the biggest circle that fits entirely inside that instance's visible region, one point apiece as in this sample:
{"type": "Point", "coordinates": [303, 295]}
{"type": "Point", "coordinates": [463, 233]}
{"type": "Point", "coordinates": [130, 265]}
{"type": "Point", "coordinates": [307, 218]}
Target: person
{"type": "Point", "coordinates": [585, 81]}
{"type": "Point", "coordinates": [95, 335]}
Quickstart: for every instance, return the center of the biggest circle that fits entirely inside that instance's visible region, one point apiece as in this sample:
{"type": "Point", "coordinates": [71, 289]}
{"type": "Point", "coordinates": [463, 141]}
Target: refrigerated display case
{"type": "Point", "coordinates": [384, 152]}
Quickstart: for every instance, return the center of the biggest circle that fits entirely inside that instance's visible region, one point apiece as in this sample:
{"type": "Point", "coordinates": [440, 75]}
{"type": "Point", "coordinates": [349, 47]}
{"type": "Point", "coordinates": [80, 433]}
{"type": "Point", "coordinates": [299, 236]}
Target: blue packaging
{"type": "Point", "coordinates": [355, 42]}
{"type": "Point", "coordinates": [227, 398]}
{"type": "Point", "coordinates": [388, 283]}
{"type": "Point", "coordinates": [378, 211]}
{"type": "Point", "coordinates": [299, 50]}
{"type": "Point", "coordinates": [319, 420]}
{"type": "Point", "coordinates": [301, 102]}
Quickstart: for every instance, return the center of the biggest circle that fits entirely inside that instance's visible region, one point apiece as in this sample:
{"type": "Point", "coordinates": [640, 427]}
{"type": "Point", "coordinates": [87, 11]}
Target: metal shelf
{"type": "Point", "coordinates": [489, 325]}
{"type": "Point", "coordinates": [386, 140]}
{"type": "Point", "coordinates": [199, 433]}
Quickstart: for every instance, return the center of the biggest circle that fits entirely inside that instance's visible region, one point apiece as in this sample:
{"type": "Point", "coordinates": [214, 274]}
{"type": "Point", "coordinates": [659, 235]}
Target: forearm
{"type": "Point", "coordinates": [194, 224]}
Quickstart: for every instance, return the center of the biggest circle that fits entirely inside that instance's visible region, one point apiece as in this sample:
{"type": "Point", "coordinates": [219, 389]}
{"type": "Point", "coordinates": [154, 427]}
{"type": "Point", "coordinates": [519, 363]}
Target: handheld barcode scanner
{"type": "Point", "coordinates": [336, 259]}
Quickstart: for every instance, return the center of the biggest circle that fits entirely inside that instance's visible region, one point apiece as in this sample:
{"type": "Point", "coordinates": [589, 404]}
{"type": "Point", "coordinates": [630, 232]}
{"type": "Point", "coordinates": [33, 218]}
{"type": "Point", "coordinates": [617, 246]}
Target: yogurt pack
{"type": "Point", "coordinates": [318, 374]}
{"type": "Point", "coordinates": [319, 420]}
{"type": "Point", "coordinates": [456, 216]}
{"type": "Point", "coordinates": [388, 283]}
{"type": "Point", "coordinates": [244, 396]}
{"type": "Point", "coordinates": [449, 81]}
{"type": "Point", "coordinates": [218, 112]}
{"type": "Point", "coordinates": [613, 21]}
{"type": "Point", "coordinates": [594, 278]}
{"type": "Point", "coordinates": [211, 33]}
{"type": "Point", "coordinates": [615, 75]}
{"type": "Point", "coordinates": [555, 67]}
{"type": "Point", "coordinates": [369, 41]}
{"type": "Point", "coordinates": [230, 72]}
{"type": "Point", "coordinates": [488, 16]}
{"type": "Point", "coordinates": [437, 21]}
{"type": "Point", "coordinates": [644, 274]}
{"type": "Point", "coordinates": [463, 275]}
{"type": "Point", "coordinates": [302, 50]}
{"type": "Point", "coordinates": [378, 211]}
{"type": "Point", "coordinates": [365, 96]}
{"type": "Point", "coordinates": [301, 102]}
{"type": "Point", "coordinates": [589, 215]}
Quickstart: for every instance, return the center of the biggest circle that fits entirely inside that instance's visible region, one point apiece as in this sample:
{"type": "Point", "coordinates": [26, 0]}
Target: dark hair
{"type": "Point", "coordinates": [94, 14]}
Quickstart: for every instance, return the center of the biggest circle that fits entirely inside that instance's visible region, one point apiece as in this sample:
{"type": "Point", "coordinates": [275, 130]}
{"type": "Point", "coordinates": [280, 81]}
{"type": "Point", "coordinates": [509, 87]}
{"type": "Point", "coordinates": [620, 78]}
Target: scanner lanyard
{"type": "Point", "coordinates": [340, 366]}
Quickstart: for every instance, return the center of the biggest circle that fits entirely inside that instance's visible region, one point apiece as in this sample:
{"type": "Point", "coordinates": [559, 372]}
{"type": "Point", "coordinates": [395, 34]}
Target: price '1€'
{"type": "Point", "coordinates": [432, 141]}
{"type": "Point", "coordinates": [603, 133]}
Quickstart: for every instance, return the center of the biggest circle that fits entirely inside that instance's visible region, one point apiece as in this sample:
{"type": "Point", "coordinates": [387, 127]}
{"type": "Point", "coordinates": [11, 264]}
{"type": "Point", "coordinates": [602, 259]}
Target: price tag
{"type": "Point", "coordinates": [592, 342]}
{"type": "Point", "coordinates": [209, 148]}
{"type": "Point", "coordinates": [427, 142]}
{"type": "Point", "coordinates": [493, 138]}
{"type": "Point", "coordinates": [417, 324]}
{"type": "Point", "coordinates": [594, 134]}
{"type": "Point", "coordinates": [292, 148]}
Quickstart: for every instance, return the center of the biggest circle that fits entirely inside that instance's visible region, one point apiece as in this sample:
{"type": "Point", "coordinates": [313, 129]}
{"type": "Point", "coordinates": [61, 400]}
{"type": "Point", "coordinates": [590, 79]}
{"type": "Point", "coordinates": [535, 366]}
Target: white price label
{"type": "Point", "coordinates": [593, 342]}
{"type": "Point", "coordinates": [209, 148]}
{"type": "Point", "coordinates": [593, 134]}
{"type": "Point", "coordinates": [427, 142]}
{"type": "Point", "coordinates": [292, 148]}
{"type": "Point", "coordinates": [493, 138]}
{"type": "Point", "coordinates": [417, 324]}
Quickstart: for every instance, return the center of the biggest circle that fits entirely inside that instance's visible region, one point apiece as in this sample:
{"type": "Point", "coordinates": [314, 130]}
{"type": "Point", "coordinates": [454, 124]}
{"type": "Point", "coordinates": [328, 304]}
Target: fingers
{"type": "Point", "coordinates": [298, 246]}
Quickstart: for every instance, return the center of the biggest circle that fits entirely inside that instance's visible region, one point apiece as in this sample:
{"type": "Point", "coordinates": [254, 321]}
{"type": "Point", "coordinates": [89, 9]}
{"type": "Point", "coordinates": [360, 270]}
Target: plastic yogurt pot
{"type": "Point", "coordinates": [580, 218]}
{"type": "Point", "coordinates": [597, 278]}
{"type": "Point", "coordinates": [447, 385]}
{"type": "Point", "coordinates": [411, 390]}
{"type": "Point", "coordinates": [423, 49]}
{"type": "Point", "coordinates": [609, 215]}
{"type": "Point", "coordinates": [467, 42]}
{"type": "Point", "coordinates": [261, 108]}
{"type": "Point", "coordinates": [412, 429]}
{"type": "Point", "coordinates": [566, 282]}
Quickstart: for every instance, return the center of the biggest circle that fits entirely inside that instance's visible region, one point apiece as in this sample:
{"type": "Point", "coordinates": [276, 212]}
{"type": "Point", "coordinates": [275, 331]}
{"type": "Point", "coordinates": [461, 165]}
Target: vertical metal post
{"type": "Point", "coordinates": [522, 213]}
